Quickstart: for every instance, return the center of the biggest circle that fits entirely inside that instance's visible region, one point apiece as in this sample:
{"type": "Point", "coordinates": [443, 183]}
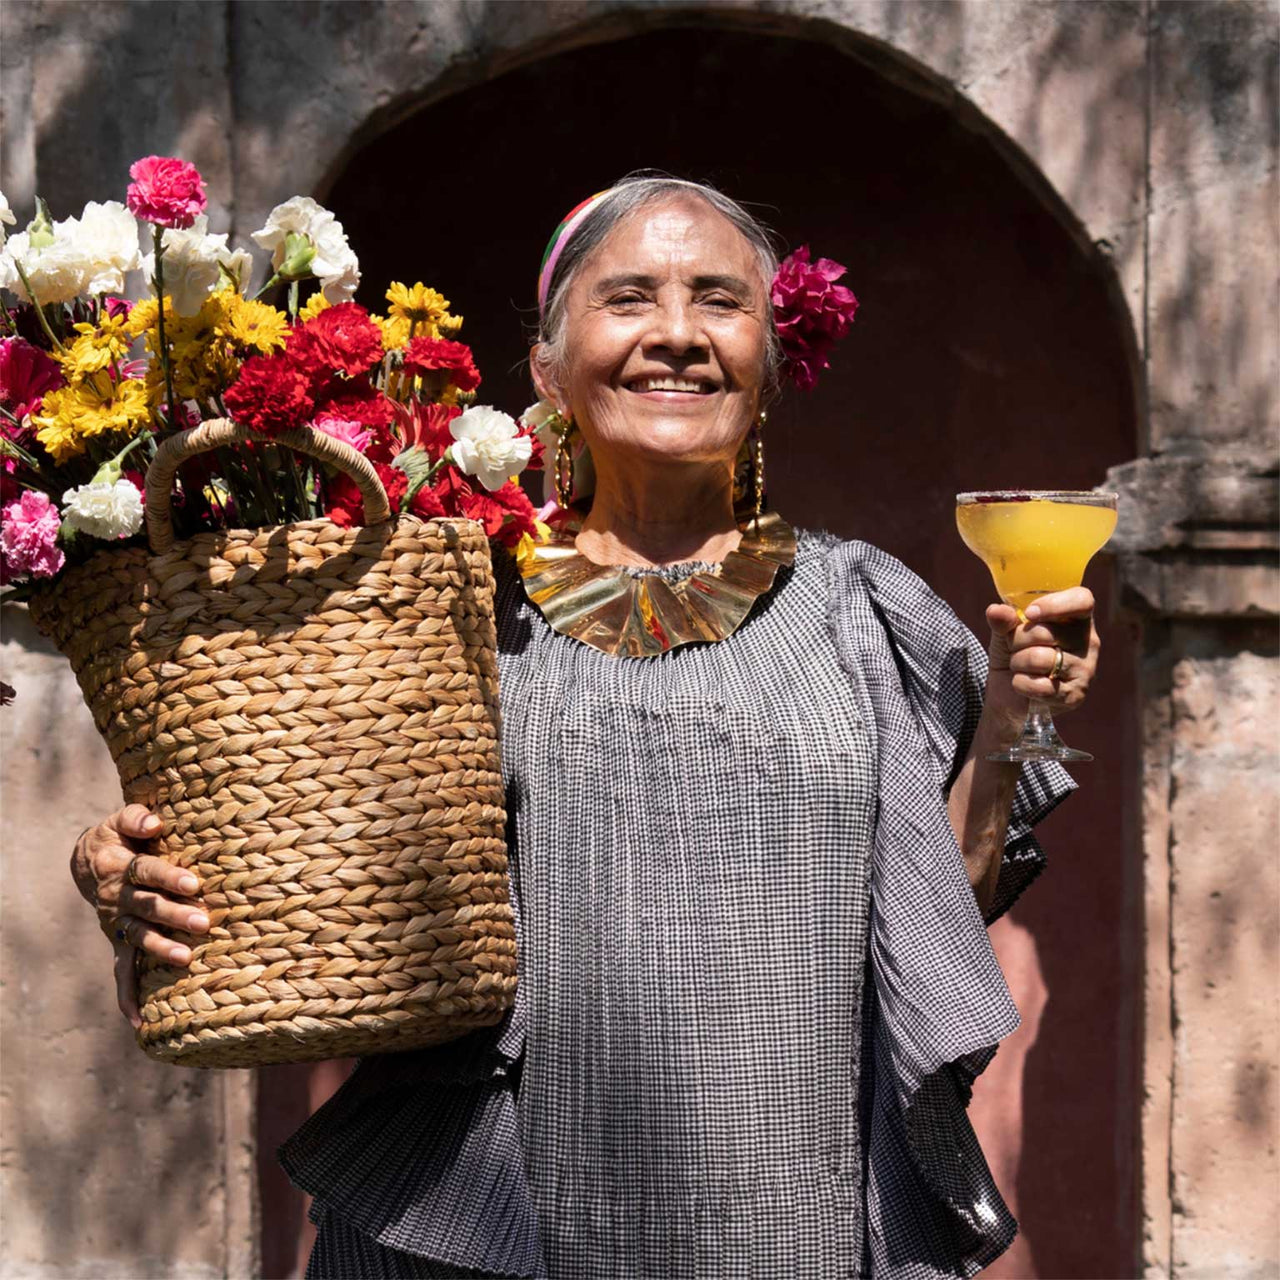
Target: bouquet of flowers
{"type": "Point", "coordinates": [303, 684]}
{"type": "Point", "coordinates": [91, 384]}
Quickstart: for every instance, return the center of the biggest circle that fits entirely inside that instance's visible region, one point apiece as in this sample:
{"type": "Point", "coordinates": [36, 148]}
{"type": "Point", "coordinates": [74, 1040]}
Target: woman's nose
{"type": "Point", "coordinates": [675, 328]}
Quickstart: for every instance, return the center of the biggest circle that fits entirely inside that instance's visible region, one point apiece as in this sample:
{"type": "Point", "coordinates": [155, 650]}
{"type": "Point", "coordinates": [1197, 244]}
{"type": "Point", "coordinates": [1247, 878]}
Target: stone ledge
{"type": "Point", "coordinates": [1210, 504]}
{"type": "Point", "coordinates": [1198, 536]}
{"type": "Point", "coordinates": [1199, 585]}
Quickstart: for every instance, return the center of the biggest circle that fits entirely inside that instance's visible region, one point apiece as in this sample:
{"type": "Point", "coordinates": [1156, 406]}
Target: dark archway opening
{"type": "Point", "coordinates": [989, 351]}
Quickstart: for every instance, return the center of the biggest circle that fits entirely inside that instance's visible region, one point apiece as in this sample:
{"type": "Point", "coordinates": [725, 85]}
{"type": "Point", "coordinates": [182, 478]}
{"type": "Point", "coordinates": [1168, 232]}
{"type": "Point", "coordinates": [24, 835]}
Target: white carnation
{"type": "Point", "coordinates": [89, 254]}
{"type": "Point", "coordinates": [56, 271]}
{"type": "Point", "coordinates": [334, 265]}
{"type": "Point", "coordinates": [103, 509]}
{"type": "Point", "coordinates": [192, 262]}
{"type": "Point", "coordinates": [107, 238]}
{"type": "Point", "coordinates": [486, 444]}
{"type": "Point", "coordinates": [6, 217]}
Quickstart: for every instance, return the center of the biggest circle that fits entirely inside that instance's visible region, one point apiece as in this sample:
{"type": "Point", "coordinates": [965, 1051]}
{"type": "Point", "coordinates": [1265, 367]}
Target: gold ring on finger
{"type": "Point", "coordinates": [1058, 662]}
{"type": "Point", "coordinates": [131, 872]}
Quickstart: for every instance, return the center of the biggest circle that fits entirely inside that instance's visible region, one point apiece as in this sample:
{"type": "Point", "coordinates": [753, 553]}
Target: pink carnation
{"type": "Point", "coordinates": [352, 433]}
{"type": "Point", "coordinates": [165, 191]}
{"type": "Point", "coordinates": [812, 313]}
{"type": "Point", "coordinates": [26, 373]}
{"type": "Point", "coordinates": [28, 538]}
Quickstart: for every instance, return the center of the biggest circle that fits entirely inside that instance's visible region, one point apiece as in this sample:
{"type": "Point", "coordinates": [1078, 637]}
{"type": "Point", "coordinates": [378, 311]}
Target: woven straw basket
{"type": "Point", "coordinates": [313, 713]}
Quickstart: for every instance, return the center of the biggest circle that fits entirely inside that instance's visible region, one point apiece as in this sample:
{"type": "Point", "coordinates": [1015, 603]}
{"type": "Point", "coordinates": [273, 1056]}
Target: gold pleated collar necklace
{"type": "Point", "coordinates": [634, 613]}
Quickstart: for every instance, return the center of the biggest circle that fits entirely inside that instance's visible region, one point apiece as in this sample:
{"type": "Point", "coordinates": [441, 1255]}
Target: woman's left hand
{"type": "Point", "coordinates": [1026, 654]}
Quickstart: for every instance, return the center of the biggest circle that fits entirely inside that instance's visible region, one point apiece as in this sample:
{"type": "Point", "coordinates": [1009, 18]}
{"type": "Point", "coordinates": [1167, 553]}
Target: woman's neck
{"type": "Point", "coordinates": [643, 525]}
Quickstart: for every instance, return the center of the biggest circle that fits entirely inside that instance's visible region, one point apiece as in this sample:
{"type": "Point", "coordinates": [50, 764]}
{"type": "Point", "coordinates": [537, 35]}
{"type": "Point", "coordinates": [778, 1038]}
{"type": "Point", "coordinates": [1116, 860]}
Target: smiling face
{"type": "Point", "coordinates": [665, 334]}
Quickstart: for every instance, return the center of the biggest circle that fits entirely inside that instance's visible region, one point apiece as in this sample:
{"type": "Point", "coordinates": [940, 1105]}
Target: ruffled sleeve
{"type": "Point", "coordinates": [938, 1003]}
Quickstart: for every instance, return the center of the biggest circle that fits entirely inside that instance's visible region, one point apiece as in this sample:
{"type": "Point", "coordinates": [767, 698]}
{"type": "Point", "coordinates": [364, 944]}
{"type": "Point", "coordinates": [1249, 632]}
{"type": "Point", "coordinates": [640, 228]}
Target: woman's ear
{"type": "Point", "coordinates": [547, 387]}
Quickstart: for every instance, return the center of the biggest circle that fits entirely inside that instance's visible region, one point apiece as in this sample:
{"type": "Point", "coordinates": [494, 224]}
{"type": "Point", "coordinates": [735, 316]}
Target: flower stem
{"type": "Point", "coordinates": [164, 346]}
{"type": "Point", "coordinates": [300, 493]}
{"type": "Point", "coordinates": [293, 299]}
{"type": "Point", "coordinates": [39, 310]}
{"type": "Point", "coordinates": [423, 480]}
{"type": "Point", "coordinates": [140, 438]}
{"type": "Point", "coordinates": [270, 284]}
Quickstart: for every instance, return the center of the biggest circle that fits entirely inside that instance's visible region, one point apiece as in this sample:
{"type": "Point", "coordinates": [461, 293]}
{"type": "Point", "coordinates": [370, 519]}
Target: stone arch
{"type": "Point", "coordinates": [1043, 239]}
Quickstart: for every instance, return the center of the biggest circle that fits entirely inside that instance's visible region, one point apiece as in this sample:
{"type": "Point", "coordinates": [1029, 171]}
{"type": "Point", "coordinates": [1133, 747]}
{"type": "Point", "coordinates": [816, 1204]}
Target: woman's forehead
{"type": "Point", "coordinates": [687, 235]}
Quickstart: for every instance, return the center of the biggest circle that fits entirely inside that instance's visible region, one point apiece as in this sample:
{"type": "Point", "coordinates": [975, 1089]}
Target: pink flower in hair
{"type": "Point", "coordinates": [29, 538]}
{"type": "Point", "coordinates": [812, 313]}
{"type": "Point", "coordinates": [165, 191]}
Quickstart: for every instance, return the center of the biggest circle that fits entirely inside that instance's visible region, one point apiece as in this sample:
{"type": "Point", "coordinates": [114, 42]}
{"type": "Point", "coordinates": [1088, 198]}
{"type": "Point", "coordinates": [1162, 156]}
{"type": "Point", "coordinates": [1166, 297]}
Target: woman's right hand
{"type": "Point", "coordinates": [135, 911]}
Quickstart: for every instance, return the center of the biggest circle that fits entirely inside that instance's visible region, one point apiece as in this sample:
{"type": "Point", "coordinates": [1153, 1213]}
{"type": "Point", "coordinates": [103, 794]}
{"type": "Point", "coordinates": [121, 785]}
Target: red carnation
{"type": "Point", "coordinates": [271, 394]}
{"type": "Point", "coordinates": [506, 513]}
{"type": "Point", "coordinates": [356, 401]}
{"type": "Point", "coordinates": [340, 339]}
{"type": "Point", "coordinates": [165, 191]}
{"type": "Point", "coordinates": [426, 504]}
{"type": "Point", "coordinates": [538, 455]}
{"type": "Point", "coordinates": [425, 357]}
{"type": "Point", "coordinates": [344, 504]}
{"type": "Point", "coordinates": [811, 312]}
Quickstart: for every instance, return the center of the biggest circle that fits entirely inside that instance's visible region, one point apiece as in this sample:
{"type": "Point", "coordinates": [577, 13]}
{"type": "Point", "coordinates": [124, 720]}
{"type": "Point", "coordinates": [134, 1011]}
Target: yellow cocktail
{"type": "Point", "coordinates": [1035, 542]}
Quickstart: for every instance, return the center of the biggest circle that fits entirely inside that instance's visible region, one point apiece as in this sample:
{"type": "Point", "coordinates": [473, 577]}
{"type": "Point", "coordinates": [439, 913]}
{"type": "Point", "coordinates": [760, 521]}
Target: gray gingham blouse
{"type": "Point", "coordinates": [755, 987]}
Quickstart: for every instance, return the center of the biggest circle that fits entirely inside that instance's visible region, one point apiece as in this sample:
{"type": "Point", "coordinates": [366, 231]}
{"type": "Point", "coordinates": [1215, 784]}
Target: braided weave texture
{"type": "Point", "coordinates": [313, 712]}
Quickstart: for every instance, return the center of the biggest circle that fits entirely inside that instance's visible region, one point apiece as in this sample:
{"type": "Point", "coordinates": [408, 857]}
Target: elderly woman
{"type": "Point", "coordinates": [753, 837]}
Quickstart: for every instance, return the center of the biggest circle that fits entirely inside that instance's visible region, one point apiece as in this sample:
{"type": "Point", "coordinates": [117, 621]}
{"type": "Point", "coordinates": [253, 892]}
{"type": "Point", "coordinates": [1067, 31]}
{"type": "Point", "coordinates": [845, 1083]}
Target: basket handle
{"type": "Point", "coordinates": [174, 451]}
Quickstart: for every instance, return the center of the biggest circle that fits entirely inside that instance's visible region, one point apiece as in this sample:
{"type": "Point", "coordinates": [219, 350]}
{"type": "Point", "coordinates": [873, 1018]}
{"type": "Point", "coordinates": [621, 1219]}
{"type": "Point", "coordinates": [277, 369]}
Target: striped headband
{"type": "Point", "coordinates": [559, 238]}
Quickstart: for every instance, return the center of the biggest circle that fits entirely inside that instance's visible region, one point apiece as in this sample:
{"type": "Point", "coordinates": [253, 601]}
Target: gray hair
{"type": "Point", "coordinates": [640, 191]}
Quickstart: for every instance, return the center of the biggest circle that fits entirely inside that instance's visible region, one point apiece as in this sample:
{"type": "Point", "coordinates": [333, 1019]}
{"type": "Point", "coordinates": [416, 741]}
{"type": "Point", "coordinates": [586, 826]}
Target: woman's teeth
{"type": "Point", "coordinates": [671, 384]}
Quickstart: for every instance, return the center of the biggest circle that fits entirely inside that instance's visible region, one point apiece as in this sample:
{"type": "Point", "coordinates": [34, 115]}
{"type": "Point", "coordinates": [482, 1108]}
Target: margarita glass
{"type": "Point", "coordinates": [1035, 542]}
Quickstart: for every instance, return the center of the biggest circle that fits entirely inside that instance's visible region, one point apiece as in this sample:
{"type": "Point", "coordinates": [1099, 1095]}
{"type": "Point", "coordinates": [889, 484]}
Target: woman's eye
{"type": "Point", "coordinates": [626, 299]}
{"type": "Point", "coordinates": [721, 302]}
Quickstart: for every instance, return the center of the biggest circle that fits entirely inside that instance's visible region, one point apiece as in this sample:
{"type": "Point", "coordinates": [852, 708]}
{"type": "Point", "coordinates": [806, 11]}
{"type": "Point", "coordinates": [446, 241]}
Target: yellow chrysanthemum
{"type": "Point", "coordinates": [202, 356]}
{"type": "Point", "coordinates": [419, 305]}
{"type": "Point", "coordinates": [251, 324]}
{"type": "Point", "coordinates": [145, 316]}
{"type": "Point", "coordinates": [314, 306]}
{"type": "Point", "coordinates": [449, 325]}
{"type": "Point", "coordinates": [395, 331]}
{"type": "Point", "coordinates": [74, 415]}
{"type": "Point", "coordinates": [97, 348]}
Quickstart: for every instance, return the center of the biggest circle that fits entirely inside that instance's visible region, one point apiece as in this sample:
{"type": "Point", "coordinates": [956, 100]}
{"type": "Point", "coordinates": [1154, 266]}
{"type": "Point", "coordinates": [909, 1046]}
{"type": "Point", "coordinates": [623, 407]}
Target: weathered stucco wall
{"type": "Point", "coordinates": [1155, 124]}
{"type": "Point", "coordinates": [114, 1165]}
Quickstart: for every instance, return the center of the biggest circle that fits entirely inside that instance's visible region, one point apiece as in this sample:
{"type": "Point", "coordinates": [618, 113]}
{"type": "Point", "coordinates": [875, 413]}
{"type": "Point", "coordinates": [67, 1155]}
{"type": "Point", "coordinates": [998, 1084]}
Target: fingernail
{"type": "Point", "coordinates": [151, 823]}
{"type": "Point", "coordinates": [197, 922]}
{"type": "Point", "coordinates": [136, 1023]}
{"type": "Point", "coordinates": [179, 955]}
{"type": "Point", "coordinates": [188, 884]}
{"type": "Point", "coordinates": [1033, 611]}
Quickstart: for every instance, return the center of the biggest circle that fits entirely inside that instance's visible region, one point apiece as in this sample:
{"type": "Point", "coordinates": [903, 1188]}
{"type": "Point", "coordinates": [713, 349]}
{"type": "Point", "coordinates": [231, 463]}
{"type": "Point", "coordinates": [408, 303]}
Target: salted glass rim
{"type": "Point", "coordinates": [1081, 497]}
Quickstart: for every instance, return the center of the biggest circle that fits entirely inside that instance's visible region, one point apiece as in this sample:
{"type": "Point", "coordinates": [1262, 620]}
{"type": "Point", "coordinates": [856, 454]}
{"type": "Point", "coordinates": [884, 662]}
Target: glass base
{"type": "Point", "coordinates": [1019, 754]}
{"type": "Point", "coordinates": [1039, 741]}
